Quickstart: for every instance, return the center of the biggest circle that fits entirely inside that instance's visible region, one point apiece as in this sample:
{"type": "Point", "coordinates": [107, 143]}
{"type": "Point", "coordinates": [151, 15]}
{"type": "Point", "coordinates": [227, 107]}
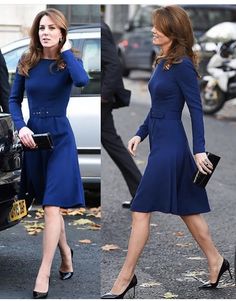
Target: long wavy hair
{"type": "Point", "coordinates": [35, 52]}
{"type": "Point", "coordinates": [174, 23]}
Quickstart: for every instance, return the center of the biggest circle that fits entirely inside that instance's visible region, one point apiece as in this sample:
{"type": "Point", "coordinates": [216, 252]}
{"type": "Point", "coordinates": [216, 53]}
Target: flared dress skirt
{"type": "Point", "coordinates": [53, 176]}
{"type": "Point", "coordinates": [167, 184]}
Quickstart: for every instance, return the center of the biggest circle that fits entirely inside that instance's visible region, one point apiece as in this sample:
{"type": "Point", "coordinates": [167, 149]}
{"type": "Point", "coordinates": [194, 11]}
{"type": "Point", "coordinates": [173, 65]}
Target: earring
{"type": "Point", "coordinates": [60, 40]}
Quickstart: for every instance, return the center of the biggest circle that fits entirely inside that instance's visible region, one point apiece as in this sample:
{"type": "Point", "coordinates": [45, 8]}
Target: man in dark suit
{"type": "Point", "coordinates": [114, 95]}
{"type": "Point", "coordinates": [4, 85]}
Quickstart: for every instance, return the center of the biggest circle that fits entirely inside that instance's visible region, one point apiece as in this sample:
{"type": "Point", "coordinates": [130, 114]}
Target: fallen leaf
{"type": "Point", "coordinates": [194, 273]}
{"type": "Point", "coordinates": [110, 247]}
{"type": "Point", "coordinates": [196, 258]}
{"type": "Point", "coordinates": [184, 245]}
{"type": "Point", "coordinates": [94, 227]}
{"type": "Point", "coordinates": [150, 284]}
{"type": "Point", "coordinates": [95, 211]}
{"type": "Point", "coordinates": [82, 221]}
{"type": "Point", "coordinates": [229, 284]}
{"type": "Point", "coordinates": [33, 227]}
{"type": "Point", "coordinates": [32, 233]}
{"type": "Point", "coordinates": [85, 241]}
{"type": "Point", "coordinates": [178, 234]}
{"type": "Point", "coordinates": [73, 212]}
{"type": "Point", "coordinates": [169, 295]}
{"type": "Point", "coordinates": [139, 162]}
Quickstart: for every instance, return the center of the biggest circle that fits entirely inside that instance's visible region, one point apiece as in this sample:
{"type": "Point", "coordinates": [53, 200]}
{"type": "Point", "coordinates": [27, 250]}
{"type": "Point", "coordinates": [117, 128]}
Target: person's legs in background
{"type": "Point", "coordinates": [114, 146]}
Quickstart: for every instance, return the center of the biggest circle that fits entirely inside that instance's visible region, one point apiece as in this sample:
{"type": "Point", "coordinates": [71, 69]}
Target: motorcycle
{"type": "Point", "coordinates": [220, 85]}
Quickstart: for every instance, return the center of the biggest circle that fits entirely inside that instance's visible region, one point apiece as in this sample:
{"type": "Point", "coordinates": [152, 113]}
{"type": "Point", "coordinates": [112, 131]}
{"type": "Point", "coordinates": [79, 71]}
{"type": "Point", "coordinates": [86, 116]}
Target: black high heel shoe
{"type": "Point", "coordinates": [132, 283]}
{"type": "Point", "coordinates": [40, 295]}
{"type": "Point", "coordinates": [67, 275]}
{"type": "Point", "coordinates": [224, 267]}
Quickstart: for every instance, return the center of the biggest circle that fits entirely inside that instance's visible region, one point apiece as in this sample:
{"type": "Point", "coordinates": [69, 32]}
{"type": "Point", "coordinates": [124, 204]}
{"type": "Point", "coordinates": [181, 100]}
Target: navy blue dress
{"type": "Point", "coordinates": [51, 176]}
{"type": "Point", "coordinates": [166, 185]}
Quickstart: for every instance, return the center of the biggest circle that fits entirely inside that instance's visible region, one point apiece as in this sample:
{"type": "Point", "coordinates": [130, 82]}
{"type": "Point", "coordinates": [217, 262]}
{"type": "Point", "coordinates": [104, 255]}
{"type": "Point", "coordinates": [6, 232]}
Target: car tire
{"type": "Point", "coordinates": [211, 105]}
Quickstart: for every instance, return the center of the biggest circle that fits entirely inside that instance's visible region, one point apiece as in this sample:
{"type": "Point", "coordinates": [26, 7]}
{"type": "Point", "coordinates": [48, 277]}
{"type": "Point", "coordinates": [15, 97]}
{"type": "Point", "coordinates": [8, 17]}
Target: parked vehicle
{"type": "Point", "coordinates": [84, 106]}
{"type": "Point", "coordinates": [220, 85]}
{"type": "Point", "coordinates": [135, 47]}
{"type": "Point", "coordinates": [12, 210]}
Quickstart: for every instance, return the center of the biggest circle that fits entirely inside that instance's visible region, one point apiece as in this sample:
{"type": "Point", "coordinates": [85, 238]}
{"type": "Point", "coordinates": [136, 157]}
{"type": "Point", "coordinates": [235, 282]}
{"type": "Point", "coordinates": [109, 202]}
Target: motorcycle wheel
{"type": "Point", "coordinates": [212, 101]}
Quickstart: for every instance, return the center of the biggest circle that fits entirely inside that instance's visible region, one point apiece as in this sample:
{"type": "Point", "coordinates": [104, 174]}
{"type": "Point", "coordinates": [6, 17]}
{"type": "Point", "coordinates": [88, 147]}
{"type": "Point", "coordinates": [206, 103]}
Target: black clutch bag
{"type": "Point", "coordinates": [43, 141]}
{"type": "Point", "coordinates": [199, 178]}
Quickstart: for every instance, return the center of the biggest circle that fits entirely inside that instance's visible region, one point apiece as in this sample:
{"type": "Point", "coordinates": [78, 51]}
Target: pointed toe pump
{"type": "Point", "coordinates": [67, 275]}
{"type": "Point", "coordinates": [40, 295]}
{"type": "Point", "coordinates": [132, 284]}
{"type": "Point", "coordinates": [224, 267]}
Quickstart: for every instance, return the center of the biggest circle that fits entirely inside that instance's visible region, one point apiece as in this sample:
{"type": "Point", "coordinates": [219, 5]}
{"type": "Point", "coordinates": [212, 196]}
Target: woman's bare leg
{"type": "Point", "coordinates": [200, 231]}
{"type": "Point", "coordinates": [138, 239]}
{"type": "Point", "coordinates": [66, 263]}
{"type": "Point", "coordinates": [51, 236]}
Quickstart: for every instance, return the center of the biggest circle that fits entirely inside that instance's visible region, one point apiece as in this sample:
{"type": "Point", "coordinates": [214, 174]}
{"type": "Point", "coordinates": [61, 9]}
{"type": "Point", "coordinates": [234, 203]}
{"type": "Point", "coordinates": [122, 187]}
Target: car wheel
{"type": "Point", "coordinates": [213, 100]}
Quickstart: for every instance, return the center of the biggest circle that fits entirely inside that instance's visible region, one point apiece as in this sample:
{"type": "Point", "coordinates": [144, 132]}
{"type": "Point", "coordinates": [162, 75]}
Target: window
{"type": "Point", "coordinates": [91, 56]}
{"type": "Point", "coordinates": [12, 58]}
{"type": "Point", "coordinates": [79, 14]}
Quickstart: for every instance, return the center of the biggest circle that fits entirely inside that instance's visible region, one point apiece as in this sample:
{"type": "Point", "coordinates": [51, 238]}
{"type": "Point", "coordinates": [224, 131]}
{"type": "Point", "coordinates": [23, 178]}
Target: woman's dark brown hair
{"type": "Point", "coordinates": [175, 24]}
{"type": "Point", "coordinates": [32, 57]}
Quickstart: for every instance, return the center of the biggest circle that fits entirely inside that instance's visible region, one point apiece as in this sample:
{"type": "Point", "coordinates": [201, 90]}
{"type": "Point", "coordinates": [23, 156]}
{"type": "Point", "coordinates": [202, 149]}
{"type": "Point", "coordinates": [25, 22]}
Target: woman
{"type": "Point", "coordinates": [47, 72]}
{"type": "Point", "coordinates": [166, 185]}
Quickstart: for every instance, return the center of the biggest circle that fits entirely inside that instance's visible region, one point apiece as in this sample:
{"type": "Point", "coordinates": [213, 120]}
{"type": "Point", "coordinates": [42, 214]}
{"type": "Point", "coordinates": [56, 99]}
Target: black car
{"type": "Point", "coordinates": [135, 47]}
{"type": "Point", "coordinates": [12, 210]}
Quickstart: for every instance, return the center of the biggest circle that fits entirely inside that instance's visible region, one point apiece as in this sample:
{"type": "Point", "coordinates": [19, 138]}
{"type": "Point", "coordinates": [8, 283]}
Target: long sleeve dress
{"type": "Point", "coordinates": [51, 176]}
{"type": "Point", "coordinates": [166, 185]}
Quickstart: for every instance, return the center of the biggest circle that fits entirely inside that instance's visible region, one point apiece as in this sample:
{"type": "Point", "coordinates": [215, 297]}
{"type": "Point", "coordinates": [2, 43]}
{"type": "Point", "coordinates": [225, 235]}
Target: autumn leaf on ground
{"type": "Point", "coordinates": [39, 213]}
{"type": "Point", "coordinates": [33, 228]}
{"type": "Point", "coordinates": [178, 234]}
{"type": "Point", "coordinates": [184, 245]}
{"type": "Point", "coordinates": [228, 284]}
{"type": "Point", "coordinates": [95, 211]}
{"type": "Point", "coordinates": [139, 162]}
{"type": "Point", "coordinates": [110, 247]}
{"type": "Point", "coordinates": [85, 241]}
{"type": "Point", "coordinates": [196, 258]}
{"type": "Point", "coordinates": [169, 295]}
{"type": "Point", "coordinates": [150, 284]}
{"type": "Point", "coordinates": [73, 212]}
{"type": "Point", "coordinates": [94, 227]}
{"type": "Point", "coordinates": [82, 221]}
{"type": "Point", "coordinates": [195, 275]}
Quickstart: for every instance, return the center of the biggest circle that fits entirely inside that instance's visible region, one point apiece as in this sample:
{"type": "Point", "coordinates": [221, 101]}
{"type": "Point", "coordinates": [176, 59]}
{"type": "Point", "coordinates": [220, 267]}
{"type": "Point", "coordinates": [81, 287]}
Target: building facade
{"type": "Point", "coordinates": [16, 20]}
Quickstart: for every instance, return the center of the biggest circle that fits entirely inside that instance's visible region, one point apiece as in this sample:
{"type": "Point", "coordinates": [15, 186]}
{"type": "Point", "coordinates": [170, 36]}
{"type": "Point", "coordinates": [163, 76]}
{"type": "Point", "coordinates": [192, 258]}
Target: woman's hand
{"type": "Point", "coordinates": [66, 46]}
{"type": "Point", "coordinates": [132, 144]}
{"type": "Point", "coordinates": [25, 135]}
{"type": "Point", "coordinates": [204, 165]}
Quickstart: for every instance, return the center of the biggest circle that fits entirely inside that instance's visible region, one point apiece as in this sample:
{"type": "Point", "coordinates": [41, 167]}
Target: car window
{"type": "Point", "coordinates": [91, 56]}
{"type": "Point", "coordinates": [12, 58]}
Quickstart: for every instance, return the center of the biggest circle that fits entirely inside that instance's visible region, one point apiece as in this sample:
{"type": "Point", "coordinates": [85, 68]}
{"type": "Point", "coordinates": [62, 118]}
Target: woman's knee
{"type": "Point", "coordinates": [51, 211]}
{"type": "Point", "coordinates": [141, 217]}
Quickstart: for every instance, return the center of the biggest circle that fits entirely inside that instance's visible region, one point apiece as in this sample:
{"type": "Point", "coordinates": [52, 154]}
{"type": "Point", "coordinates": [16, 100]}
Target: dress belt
{"type": "Point", "coordinates": [47, 112]}
{"type": "Point", "coordinates": [171, 115]}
